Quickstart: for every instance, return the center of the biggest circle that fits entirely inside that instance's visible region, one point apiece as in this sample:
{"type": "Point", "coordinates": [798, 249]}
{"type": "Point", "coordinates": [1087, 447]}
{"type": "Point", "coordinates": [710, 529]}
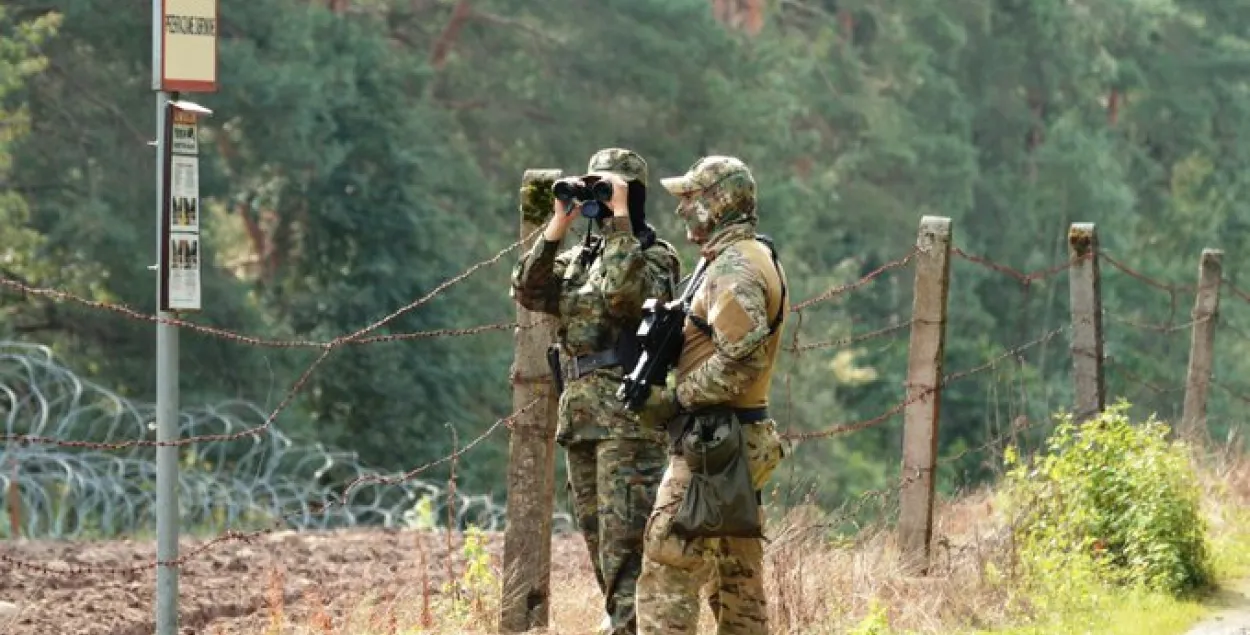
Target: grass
{"type": "Point", "coordinates": [821, 586]}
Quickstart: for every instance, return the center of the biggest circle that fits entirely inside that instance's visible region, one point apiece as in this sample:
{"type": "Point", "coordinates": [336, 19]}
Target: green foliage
{"type": "Point", "coordinates": [421, 515]}
{"type": "Point", "coordinates": [877, 622]}
{"type": "Point", "coordinates": [19, 62]}
{"type": "Point", "coordinates": [468, 600]}
{"type": "Point", "coordinates": [357, 159]}
{"type": "Point", "coordinates": [1110, 501]}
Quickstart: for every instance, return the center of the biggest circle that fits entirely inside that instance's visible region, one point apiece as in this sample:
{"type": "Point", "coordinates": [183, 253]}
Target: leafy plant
{"type": "Point", "coordinates": [876, 622]}
{"type": "Point", "coordinates": [1110, 502]}
{"type": "Point", "coordinates": [421, 515]}
{"type": "Point", "coordinates": [468, 599]}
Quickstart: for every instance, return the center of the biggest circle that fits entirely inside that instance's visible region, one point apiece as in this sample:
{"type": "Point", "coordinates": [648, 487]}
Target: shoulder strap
{"type": "Point", "coordinates": [687, 297]}
{"type": "Point", "coordinates": [692, 284]}
{"type": "Point", "coordinates": [695, 278]}
{"type": "Point", "coordinates": [781, 308]}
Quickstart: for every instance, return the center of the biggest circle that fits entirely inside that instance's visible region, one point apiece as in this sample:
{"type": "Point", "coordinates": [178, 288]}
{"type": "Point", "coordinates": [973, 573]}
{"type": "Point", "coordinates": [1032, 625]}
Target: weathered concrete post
{"type": "Point", "coordinates": [1085, 291]}
{"type": "Point", "coordinates": [1202, 346]}
{"type": "Point", "coordinates": [526, 582]}
{"type": "Point", "coordinates": [924, 392]}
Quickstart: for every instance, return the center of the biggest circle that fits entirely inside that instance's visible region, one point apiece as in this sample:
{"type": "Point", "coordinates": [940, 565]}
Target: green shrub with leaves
{"type": "Point", "coordinates": [1112, 502]}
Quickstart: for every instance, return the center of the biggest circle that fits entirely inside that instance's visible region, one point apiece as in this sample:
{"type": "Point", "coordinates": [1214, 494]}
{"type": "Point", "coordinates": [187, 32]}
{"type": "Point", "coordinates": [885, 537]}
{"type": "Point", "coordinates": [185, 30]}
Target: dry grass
{"type": "Point", "coordinates": [815, 585]}
{"type": "Point", "coordinates": [811, 585]}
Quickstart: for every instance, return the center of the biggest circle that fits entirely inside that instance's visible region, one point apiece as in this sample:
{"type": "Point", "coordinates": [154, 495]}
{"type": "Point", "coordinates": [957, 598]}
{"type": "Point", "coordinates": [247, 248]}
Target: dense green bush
{"type": "Point", "coordinates": [1113, 499]}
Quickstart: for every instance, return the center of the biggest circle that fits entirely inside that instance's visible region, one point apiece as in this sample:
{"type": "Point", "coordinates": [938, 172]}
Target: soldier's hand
{"type": "Point", "coordinates": [561, 218]}
{"type": "Point", "coordinates": [660, 408]}
{"type": "Point", "coordinates": [620, 195]}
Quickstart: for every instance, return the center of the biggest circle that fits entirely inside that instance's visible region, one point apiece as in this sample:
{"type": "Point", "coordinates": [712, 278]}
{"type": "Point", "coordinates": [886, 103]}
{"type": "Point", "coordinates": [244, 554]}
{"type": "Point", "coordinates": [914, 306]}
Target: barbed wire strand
{"type": "Point", "coordinates": [847, 428]}
{"type": "Point", "coordinates": [1171, 288]}
{"type": "Point", "coordinates": [1156, 328]}
{"type": "Point", "coordinates": [1235, 393]}
{"type": "Point", "coordinates": [1237, 292]}
{"type": "Point", "coordinates": [1021, 277]}
{"type": "Point", "coordinates": [212, 331]}
{"type": "Point", "coordinates": [796, 347]}
{"type": "Point", "coordinates": [851, 286]}
{"type": "Point", "coordinates": [848, 511]}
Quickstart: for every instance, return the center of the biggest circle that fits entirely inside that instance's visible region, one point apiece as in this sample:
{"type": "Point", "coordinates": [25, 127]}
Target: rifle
{"type": "Point", "coordinates": [660, 341]}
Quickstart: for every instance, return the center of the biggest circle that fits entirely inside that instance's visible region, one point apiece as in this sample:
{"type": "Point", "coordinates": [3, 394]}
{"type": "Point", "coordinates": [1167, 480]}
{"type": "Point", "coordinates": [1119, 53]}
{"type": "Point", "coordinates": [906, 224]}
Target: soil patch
{"type": "Point", "coordinates": [228, 589]}
{"type": "Point", "coordinates": [1232, 616]}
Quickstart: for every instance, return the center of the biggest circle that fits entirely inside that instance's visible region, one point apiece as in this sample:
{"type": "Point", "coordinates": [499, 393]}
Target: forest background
{"type": "Point", "coordinates": [363, 151]}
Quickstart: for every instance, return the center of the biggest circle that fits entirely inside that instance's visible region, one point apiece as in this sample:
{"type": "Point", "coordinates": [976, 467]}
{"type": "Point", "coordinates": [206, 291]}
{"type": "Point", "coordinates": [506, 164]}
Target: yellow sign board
{"type": "Point", "coordinates": [189, 45]}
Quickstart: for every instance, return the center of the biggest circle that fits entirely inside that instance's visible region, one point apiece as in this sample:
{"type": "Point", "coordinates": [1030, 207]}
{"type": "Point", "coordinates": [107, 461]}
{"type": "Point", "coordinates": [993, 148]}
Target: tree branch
{"type": "Point", "coordinates": [442, 46]}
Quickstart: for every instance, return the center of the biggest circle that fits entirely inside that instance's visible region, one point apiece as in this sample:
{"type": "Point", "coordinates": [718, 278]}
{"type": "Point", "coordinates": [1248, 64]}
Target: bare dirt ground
{"type": "Point", "coordinates": [228, 590]}
{"type": "Point", "coordinates": [1233, 612]}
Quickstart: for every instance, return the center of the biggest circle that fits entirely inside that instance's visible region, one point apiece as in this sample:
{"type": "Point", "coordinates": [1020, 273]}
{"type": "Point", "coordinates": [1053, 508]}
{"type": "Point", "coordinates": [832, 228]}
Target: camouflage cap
{"type": "Point", "coordinates": [626, 164]}
{"type": "Point", "coordinates": [730, 172]}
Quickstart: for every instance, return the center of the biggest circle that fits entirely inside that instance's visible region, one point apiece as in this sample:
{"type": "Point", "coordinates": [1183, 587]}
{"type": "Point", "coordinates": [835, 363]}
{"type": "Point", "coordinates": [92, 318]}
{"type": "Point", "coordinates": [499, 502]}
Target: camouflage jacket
{"type": "Point", "coordinates": [741, 295]}
{"type": "Point", "coordinates": [593, 305]}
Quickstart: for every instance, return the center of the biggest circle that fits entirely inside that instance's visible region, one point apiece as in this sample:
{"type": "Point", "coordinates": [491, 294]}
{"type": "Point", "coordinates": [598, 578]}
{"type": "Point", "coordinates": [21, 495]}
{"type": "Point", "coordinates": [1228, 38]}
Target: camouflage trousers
{"type": "Point", "coordinates": [674, 570]}
{"type": "Point", "coordinates": [613, 483]}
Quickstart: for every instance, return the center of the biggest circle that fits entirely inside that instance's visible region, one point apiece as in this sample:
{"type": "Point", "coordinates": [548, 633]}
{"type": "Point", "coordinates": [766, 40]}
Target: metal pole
{"type": "Point", "coordinates": [166, 430]}
{"type": "Point", "coordinates": [166, 379]}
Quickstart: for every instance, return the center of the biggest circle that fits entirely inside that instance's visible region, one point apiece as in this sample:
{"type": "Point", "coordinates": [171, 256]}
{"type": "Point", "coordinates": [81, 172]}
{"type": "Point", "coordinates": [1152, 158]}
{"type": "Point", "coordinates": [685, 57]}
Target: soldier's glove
{"type": "Point", "coordinates": [660, 408]}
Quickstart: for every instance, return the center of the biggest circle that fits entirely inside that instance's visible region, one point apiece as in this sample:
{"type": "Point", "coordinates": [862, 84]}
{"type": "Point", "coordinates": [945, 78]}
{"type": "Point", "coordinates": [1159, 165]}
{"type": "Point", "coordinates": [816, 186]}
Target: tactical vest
{"type": "Point", "coordinates": [698, 336]}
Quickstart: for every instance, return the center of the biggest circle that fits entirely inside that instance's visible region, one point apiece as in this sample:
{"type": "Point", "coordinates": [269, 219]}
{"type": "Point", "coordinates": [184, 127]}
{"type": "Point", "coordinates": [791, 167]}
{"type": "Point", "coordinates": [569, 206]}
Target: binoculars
{"type": "Point", "coordinates": [593, 197]}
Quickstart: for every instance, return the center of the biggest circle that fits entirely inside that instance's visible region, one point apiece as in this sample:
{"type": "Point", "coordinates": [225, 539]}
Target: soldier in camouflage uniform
{"type": "Point", "coordinates": [732, 336]}
{"type": "Point", "coordinates": [614, 464]}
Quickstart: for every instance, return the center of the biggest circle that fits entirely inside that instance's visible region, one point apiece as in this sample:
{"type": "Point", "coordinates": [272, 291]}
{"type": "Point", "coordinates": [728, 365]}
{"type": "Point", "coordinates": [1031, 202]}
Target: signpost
{"type": "Point", "coordinates": [184, 59]}
{"type": "Point", "coordinates": [180, 227]}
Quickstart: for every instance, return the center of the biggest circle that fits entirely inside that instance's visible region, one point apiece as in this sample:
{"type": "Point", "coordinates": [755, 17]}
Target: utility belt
{"type": "Point", "coordinates": [578, 366]}
{"type": "Point", "coordinates": [746, 416]}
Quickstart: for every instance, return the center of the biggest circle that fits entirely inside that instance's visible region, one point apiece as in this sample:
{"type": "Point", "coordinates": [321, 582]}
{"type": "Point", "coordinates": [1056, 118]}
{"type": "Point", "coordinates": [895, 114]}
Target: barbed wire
{"type": "Point", "coordinates": [1157, 328]}
{"type": "Point", "coordinates": [71, 494]}
{"type": "Point", "coordinates": [356, 338]}
{"type": "Point", "coordinates": [1237, 292]}
{"type": "Point", "coordinates": [329, 502]}
{"type": "Point", "coordinates": [1240, 333]}
{"type": "Point", "coordinates": [1021, 277]}
{"type": "Point", "coordinates": [1168, 287]}
{"type": "Point", "coordinates": [292, 392]}
{"type": "Point", "coordinates": [795, 347]}
{"type": "Point", "coordinates": [25, 440]}
{"type": "Point", "coordinates": [886, 496]}
{"type": "Point", "coordinates": [1239, 395]}
{"type": "Point", "coordinates": [921, 393]}
{"type": "Point", "coordinates": [851, 286]}
{"type": "Point", "coordinates": [108, 481]}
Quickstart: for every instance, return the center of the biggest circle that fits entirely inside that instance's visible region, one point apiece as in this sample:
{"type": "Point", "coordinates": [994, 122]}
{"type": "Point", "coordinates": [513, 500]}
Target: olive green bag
{"type": "Point", "coordinates": [721, 501]}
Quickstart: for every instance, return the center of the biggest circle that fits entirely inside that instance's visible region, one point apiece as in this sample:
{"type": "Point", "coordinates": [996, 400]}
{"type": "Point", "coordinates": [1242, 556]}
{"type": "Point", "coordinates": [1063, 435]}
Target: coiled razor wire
{"type": "Point", "coordinates": [77, 493]}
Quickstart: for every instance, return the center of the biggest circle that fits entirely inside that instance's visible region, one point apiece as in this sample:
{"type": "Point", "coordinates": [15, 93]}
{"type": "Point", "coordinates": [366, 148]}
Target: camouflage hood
{"type": "Point", "coordinates": [724, 184]}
